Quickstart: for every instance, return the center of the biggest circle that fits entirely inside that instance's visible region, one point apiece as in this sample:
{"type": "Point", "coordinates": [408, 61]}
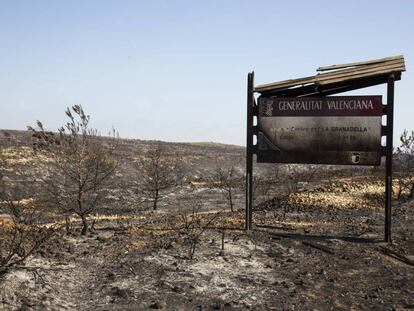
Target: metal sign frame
{"type": "Point", "coordinates": [386, 151]}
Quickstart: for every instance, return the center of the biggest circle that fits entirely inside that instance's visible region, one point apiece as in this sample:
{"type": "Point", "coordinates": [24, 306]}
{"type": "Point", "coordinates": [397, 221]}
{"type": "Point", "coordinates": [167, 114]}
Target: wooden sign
{"type": "Point", "coordinates": [320, 130]}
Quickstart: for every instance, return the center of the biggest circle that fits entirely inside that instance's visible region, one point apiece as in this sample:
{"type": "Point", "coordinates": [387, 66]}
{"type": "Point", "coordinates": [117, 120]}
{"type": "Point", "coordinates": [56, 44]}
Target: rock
{"type": "Point", "coordinates": [155, 305]}
{"type": "Point", "coordinates": [120, 292]}
{"type": "Point", "coordinates": [26, 305]}
{"type": "Point", "coordinates": [177, 289]}
{"type": "Point", "coordinates": [322, 271]}
{"type": "Point", "coordinates": [111, 276]}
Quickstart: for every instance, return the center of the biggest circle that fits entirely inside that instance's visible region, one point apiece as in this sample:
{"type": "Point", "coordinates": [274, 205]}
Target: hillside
{"type": "Point", "coordinates": [316, 244]}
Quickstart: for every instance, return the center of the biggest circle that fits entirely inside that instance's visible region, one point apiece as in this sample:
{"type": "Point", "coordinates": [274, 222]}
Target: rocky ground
{"type": "Point", "coordinates": [320, 251]}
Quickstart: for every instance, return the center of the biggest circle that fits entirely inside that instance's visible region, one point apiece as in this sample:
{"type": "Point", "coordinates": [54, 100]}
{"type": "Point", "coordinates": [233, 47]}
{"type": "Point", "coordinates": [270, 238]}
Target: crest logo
{"type": "Point", "coordinates": [266, 107]}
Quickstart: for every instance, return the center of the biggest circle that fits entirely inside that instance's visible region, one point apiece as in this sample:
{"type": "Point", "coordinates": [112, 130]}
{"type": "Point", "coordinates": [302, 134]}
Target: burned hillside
{"type": "Point", "coordinates": [317, 240]}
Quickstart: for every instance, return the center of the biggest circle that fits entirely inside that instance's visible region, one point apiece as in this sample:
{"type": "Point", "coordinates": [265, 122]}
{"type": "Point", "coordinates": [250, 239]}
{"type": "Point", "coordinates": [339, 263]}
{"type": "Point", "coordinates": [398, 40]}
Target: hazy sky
{"type": "Point", "coordinates": [176, 70]}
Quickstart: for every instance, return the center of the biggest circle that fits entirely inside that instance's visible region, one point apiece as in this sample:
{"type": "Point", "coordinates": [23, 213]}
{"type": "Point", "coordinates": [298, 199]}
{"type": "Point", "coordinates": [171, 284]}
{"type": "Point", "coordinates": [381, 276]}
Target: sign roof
{"type": "Point", "coordinates": [366, 73]}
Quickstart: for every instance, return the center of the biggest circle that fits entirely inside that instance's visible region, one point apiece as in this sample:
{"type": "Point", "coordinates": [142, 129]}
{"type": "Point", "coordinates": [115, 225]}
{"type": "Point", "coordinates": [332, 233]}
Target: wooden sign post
{"type": "Point", "coordinates": [249, 149]}
{"type": "Point", "coordinates": [388, 156]}
{"type": "Point", "coordinates": [297, 122]}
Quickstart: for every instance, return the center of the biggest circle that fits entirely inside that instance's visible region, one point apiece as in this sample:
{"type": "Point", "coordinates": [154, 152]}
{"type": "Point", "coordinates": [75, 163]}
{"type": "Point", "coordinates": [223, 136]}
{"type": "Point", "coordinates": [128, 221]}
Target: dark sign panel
{"type": "Point", "coordinates": [320, 130]}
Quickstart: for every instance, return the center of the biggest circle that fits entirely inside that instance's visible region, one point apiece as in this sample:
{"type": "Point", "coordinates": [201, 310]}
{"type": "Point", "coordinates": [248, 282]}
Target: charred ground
{"type": "Point", "coordinates": [316, 245]}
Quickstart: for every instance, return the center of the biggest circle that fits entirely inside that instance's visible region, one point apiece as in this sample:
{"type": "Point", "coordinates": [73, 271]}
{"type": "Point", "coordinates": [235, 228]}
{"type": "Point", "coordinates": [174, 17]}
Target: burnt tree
{"type": "Point", "coordinates": [405, 166]}
{"type": "Point", "coordinates": [158, 174]}
{"type": "Point", "coordinates": [227, 181]}
{"type": "Point", "coordinates": [80, 167]}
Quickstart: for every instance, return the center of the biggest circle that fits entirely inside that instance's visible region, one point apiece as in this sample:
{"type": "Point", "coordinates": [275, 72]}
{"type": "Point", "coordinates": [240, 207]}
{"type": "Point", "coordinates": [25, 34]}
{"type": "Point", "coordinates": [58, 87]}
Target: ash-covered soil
{"type": "Point", "coordinates": [317, 249]}
{"type": "Point", "coordinates": [322, 250]}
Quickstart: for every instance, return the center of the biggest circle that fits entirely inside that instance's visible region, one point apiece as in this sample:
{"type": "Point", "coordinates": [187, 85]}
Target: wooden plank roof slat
{"type": "Point", "coordinates": [361, 73]}
{"type": "Point", "coordinates": [340, 66]}
{"type": "Point", "coordinates": [355, 76]}
{"type": "Point", "coordinates": [345, 72]}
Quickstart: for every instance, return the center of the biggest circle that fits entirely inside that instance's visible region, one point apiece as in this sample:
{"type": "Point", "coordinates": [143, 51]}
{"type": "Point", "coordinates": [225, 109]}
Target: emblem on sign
{"type": "Point", "coordinates": [266, 107]}
{"type": "Point", "coordinates": [355, 158]}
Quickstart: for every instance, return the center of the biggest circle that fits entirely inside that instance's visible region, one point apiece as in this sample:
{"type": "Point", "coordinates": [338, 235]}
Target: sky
{"type": "Point", "coordinates": [176, 70]}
